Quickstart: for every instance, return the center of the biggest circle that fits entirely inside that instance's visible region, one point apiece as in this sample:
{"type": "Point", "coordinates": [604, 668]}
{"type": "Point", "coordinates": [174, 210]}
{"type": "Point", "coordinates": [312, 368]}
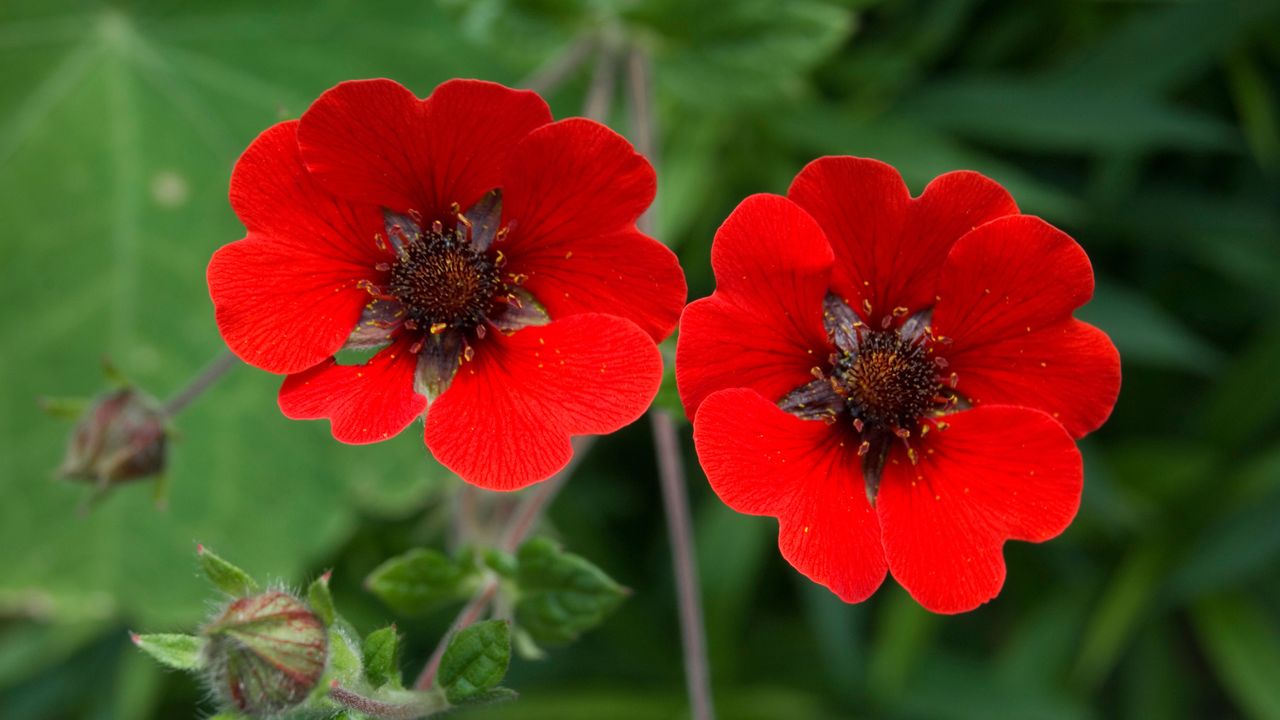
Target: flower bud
{"type": "Point", "coordinates": [121, 437]}
{"type": "Point", "coordinates": [266, 653]}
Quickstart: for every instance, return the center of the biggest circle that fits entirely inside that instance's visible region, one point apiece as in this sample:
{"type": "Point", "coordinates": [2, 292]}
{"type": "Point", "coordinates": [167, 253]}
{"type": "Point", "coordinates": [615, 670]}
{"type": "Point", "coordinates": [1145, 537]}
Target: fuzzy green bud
{"type": "Point", "coordinates": [266, 653]}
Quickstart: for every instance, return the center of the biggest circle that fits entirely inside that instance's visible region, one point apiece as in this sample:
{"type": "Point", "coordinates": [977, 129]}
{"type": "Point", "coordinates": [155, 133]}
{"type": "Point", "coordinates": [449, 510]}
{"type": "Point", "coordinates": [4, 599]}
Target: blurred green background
{"type": "Point", "coordinates": [1149, 130]}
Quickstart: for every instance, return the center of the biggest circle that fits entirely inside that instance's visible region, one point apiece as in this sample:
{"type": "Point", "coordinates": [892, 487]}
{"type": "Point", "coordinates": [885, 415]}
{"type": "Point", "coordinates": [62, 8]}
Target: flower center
{"type": "Point", "coordinates": [442, 281]}
{"type": "Point", "coordinates": [888, 382]}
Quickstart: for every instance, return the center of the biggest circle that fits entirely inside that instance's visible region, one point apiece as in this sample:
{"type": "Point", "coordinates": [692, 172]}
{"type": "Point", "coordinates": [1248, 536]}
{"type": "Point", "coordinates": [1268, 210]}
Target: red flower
{"type": "Point", "coordinates": [898, 380]}
{"type": "Point", "coordinates": [490, 253]}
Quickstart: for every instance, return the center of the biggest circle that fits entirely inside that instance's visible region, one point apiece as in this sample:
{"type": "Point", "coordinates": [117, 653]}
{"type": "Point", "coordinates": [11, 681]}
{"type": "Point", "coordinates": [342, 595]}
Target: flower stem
{"type": "Point", "coordinates": [600, 95]}
{"type": "Point", "coordinates": [206, 378]}
{"type": "Point", "coordinates": [531, 508]}
{"type": "Point", "coordinates": [552, 74]}
{"type": "Point", "coordinates": [676, 503]}
{"type": "Point", "coordinates": [419, 707]}
{"type": "Point", "coordinates": [667, 443]}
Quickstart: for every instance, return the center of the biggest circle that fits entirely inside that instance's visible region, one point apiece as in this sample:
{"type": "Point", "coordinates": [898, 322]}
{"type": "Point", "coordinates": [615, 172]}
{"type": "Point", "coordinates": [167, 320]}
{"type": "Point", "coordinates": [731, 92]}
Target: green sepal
{"type": "Point", "coordinates": [475, 661]}
{"type": "Point", "coordinates": [346, 659]}
{"type": "Point", "coordinates": [561, 595]}
{"type": "Point", "coordinates": [422, 579]}
{"type": "Point", "coordinates": [181, 652]}
{"type": "Point", "coordinates": [321, 600]}
{"type": "Point", "coordinates": [226, 577]}
{"type": "Point", "coordinates": [382, 657]}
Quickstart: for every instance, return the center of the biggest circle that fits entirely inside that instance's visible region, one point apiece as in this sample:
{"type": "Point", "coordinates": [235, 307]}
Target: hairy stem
{"type": "Point", "coordinates": [207, 377]}
{"type": "Point", "coordinates": [667, 443]}
{"type": "Point", "coordinates": [419, 707]}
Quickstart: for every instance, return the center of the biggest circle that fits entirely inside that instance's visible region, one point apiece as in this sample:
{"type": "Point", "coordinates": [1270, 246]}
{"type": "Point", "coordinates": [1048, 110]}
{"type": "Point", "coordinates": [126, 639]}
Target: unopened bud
{"type": "Point", "coordinates": [266, 653]}
{"type": "Point", "coordinates": [121, 437]}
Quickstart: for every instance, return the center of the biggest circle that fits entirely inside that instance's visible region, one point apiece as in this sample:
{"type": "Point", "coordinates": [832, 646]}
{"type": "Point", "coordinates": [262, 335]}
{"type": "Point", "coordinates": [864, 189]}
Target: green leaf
{"type": "Point", "coordinates": [492, 697]}
{"type": "Point", "coordinates": [1038, 116]}
{"type": "Point", "coordinates": [134, 117]}
{"type": "Point", "coordinates": [723, 53]}
{"type": "Point", "coordinates": [475, 661]}
{"type": "Point", "coordinates": [903, 632]}
{"type": "Point", "coordinates": [382, 657]}
{"type": "Point", "coordinates": [321, 600]}
{"type": "Point", "coordinates": [1114, 622]}
{"type": "Point", "coordinates": [226, 577]}
{"type": "Point", "coordinates": [1242, 641]}
{"type": "Point", "coordinates": [421, 580]}
{"type": "Point", "coordinates": [561, 595]}
{"type": "Point", "coordinates": [181, 652]}
{"type": "Point", "coordinates": [1146, 333]}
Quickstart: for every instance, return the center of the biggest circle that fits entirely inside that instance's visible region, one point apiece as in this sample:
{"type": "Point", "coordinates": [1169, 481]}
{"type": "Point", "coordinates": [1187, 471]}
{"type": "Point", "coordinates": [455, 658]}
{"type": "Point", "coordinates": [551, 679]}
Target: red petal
{"type": "Point", "coordinates": [285, 298]}
{"type": "Point", "coordinates": [997, 473]}
{"type": "Point", "coordinates": [889, 247]}
{"type": "Point", "coordinates": [282, 310]}
{"type": "Point", "coordinates": [763, 461]}
{"type": "Point", "coordinates": [364, 403]}
{"type": "Point", "coordinates": [570, 180]}
{"type": "Point", "coordinates": [277, 199]}
{"type": "Point", "coordinates": [506, 420]}
{"type": "Point", "coordinates": [572, 194]}
{"type": "Point", "coordinates": [1069, 370]}
{"type": "Point", "coordinates": [1007, 292]}
{"type": "Point", "coordinates": [624, 273]}
{"type": "Point", "coordinates": [762, 328]}
{"type": "Point", "coordinates": [374, 141]}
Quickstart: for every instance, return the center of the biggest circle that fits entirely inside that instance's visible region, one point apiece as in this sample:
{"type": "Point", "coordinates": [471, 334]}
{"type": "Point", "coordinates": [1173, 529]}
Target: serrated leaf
{"type": "Point", "coordinates": [421, 580]}
{"type": "Point", "coordinates": [226, 577]}
{"type": "Point", "coordinates": [181, 652]}
{"type": "Point", "coordinates": [561, 595]}
{"type": "Point", "coordinates": [321, 600]}
{"type": "Point", "coordinates": [382, 657]}
{"type": "Point", "coordinates": [475, 660]}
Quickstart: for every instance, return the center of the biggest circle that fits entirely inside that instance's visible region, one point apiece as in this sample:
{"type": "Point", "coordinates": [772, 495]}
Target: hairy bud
{"type": "Point", "coordinates": [122, 436]}
{"type": "Point", "coordinates": [266, 653]}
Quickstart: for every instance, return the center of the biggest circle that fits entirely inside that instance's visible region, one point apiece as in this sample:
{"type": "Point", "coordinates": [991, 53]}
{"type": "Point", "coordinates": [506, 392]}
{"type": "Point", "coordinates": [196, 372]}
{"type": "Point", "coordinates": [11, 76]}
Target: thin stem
{"type": "Point", "coordinates": [667, 443]}
{"type": "Point", "coordinates": [471, 612]}
{"type": "Point", "coordinates": [532, 507]}
{"type": "Point", "coordinates": [551, 74]}
{"type": "Point", "coordinates": [600, 94]}
{"type": "Point", "coordinates": [676, 503]}
{"type": "Point", "coordinates": [211, 374]}
{"type": "Point", "coordinates": [420, 707]}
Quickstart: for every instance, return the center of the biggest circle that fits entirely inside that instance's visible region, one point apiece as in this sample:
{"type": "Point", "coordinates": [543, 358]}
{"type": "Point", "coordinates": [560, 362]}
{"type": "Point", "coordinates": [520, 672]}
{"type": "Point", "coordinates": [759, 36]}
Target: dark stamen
{"type": "Point", "coordinates": [443, 282]}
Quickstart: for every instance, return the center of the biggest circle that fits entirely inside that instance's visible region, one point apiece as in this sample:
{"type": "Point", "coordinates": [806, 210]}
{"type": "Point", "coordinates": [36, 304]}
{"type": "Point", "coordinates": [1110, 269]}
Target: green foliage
{"type": "Point", "coordinates": [321, 599]}
{"type": "Point", "coordinates": [1243, 643]}
{"type": "Point", "coordinates": [421, 580]}
{"type": "Point", "coordinates": [226, 577]}
{"type": "Point", "coordinates": [561, 595]}
{"type": "Point", "coordinates": [475, 661]}
{"type": "Point", "coordinates": [382, 657]}
{"type": "Point", "coordinates": [180, 652]}
{"type": "Point", "coordinates": [1146, 130]}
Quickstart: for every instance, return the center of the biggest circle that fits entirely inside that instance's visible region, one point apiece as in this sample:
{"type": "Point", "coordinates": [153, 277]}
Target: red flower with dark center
{"type": "Point", "coordinates": [899, 381]}
{"type": "Point", "coordinates": [489, 254]}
